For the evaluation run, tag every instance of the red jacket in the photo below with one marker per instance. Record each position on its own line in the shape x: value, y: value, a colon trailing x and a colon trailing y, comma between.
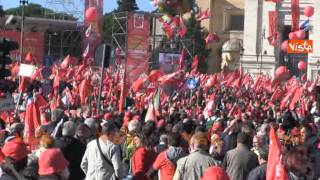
x: 141, y: 161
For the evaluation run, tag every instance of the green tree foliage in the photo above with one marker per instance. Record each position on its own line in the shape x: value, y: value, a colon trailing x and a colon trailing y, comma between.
x: 36, y: 10
x: 127, y: 5
x: 1, y: 12
x: 198, y: 34
x: 107, y: 27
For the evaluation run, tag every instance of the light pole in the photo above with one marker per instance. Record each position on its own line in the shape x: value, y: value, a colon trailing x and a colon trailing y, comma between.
x: 49, y: 47
x: 22, y: 4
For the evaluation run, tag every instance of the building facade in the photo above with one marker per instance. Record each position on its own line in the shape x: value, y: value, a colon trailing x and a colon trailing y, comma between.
x: 254, y: 53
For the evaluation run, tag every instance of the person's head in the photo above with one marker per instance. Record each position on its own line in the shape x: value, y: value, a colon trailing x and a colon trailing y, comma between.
x: 173, y: 139
x: 69, y: 128
x: 186, y: 131
x: 111, y: 131
x: 83, y: 133
x: 140, y: 139
x: 163, y: 139
x: 56, y: 115
x: 296, y: 161
x: 258, y: 141
x: 17, y: 129
x: 134, y: 126
x: 93, y: 125
x: 52, y: 162
x: 199, y: 141
x: 46, y: 141
x: 215, y: 173
x: 263, y: 154
x: 216, y: 144
x: 86, y: 112
x: 16, y: 151
x: 244, y: 139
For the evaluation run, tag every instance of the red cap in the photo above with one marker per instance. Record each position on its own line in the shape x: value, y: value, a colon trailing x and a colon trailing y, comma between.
x: 216, y: 126
x: 136, y: 117
x: 15, y: 149
x: 215, y: 173
x: 107, y: 116
x: 52, y: 161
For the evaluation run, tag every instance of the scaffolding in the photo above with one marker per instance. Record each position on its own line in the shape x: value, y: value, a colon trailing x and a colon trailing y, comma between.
x: 157, y: 39
x: 64, y: 9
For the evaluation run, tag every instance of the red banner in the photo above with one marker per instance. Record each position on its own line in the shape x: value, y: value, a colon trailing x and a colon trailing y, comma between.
x: 33, y: 43
x: 273, y: 32
x: 295, y: 15
x: 137, y: 46
x: 93, y: 29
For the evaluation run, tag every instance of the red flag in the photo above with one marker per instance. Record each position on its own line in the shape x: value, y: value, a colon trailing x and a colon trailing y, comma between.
x: 183, y: 29
x: 56, y: 84
x: 275, y: 168
x: 32, y: 120
x: 154, y: 75
x: 212, y: 81
x: 36, y: 74
x: 277, y: 95
x: 23, y: 84
x: 297, y: 95
x: 137, y: 85
x: 181, y: 59
x: 65, y: 63
x: 29, y: 58
x: 84, y: 90
x: 195, y: 63
x: 203, y: 15
x: 168, y: 29
x: 151, y: 113
x: 212, y: 37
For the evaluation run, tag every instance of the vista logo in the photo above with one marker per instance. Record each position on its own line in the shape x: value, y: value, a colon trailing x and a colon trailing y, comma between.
x: 300, y: 46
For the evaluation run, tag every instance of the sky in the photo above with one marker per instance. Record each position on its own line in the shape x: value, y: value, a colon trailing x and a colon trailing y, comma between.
x: 109, y: 5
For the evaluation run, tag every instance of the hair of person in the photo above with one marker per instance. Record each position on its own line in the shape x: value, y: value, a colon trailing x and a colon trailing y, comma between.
x: 244, y: 138
x: 293, y: 158
x: 263, y: 153
x: 47, y: 141
x: 201, y: 129
x: 174, y: 139
x: 109, y: 128
x: 142, y: 137
x: 164, y: 138
x: 200, y: 141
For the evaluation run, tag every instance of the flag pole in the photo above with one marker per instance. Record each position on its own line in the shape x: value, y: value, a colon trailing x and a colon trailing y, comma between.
x: 101, y: 78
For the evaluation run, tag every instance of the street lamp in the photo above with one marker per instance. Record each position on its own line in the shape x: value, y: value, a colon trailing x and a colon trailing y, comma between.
x: 22, y: 4
x: 50, y: 36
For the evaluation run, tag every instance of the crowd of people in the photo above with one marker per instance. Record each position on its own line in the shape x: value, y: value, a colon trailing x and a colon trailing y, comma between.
x: 219, y: 130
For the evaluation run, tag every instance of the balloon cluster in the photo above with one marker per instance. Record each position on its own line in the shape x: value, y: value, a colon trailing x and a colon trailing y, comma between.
x: 303, y: 27
x: 174, y: 7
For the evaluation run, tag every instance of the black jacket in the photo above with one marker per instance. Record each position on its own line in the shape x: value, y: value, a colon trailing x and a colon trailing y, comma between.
x: 73, y: 150
x: 258, y: 173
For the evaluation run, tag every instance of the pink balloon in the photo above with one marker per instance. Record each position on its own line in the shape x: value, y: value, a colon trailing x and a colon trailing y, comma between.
x: 284, y: 46
x: 302, y: 65
x: 300, y: 34
x: 308, y: 11
x: 91, y: 14
x: 293, y: 35
x: 281, y: 71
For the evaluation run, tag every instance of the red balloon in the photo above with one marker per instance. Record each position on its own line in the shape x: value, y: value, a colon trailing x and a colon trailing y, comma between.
x: 281, y: 71
x: 302, y: 65
x: 293, y: 35
x: 308, y: 11
x: 300, y: 34
x: 91, y: 14
x: 284, y: 46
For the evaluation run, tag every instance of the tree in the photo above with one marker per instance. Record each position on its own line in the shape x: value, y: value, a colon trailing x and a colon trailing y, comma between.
x: 36, y: 10
x: 127, y: 5
x: 107, y: 27
x: 198, y: 34
x: 1, y: 12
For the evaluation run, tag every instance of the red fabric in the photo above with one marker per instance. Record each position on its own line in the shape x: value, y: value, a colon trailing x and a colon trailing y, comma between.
x: 154, y: 75
x: 84, y: 90
x: 295, y: 15
x: 169, y: 31
x: 32, y: 120
x: 142, y: 159
x: 52, y: 161
x: 151, y: 113
x: 297, y: 95
x: 65, y: 63
x: 215, y: 173
x: 25, y: 81
x: 166, y: 168
x: 203, y: 15
x: 277, y: 95
x: 181, y: 59
x: 29, y: 58
x: 183, y: 28
x: 137, y: 85
x: 212, y: 81
x: 16, y: 149
x: 273, y: 34
x: 195, y: 63
x: 275, y: 168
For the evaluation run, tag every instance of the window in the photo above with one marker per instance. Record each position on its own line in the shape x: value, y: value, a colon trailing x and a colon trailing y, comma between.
x: 236, y: 23
x: 233, y: 20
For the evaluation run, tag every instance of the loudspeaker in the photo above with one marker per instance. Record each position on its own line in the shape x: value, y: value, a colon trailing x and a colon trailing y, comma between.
x: 102, y: 55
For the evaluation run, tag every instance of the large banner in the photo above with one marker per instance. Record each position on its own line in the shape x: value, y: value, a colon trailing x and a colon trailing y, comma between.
x: 33, y: 43
x: 93, y: 29
x: 137, y: 46
x: 169, y: 62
